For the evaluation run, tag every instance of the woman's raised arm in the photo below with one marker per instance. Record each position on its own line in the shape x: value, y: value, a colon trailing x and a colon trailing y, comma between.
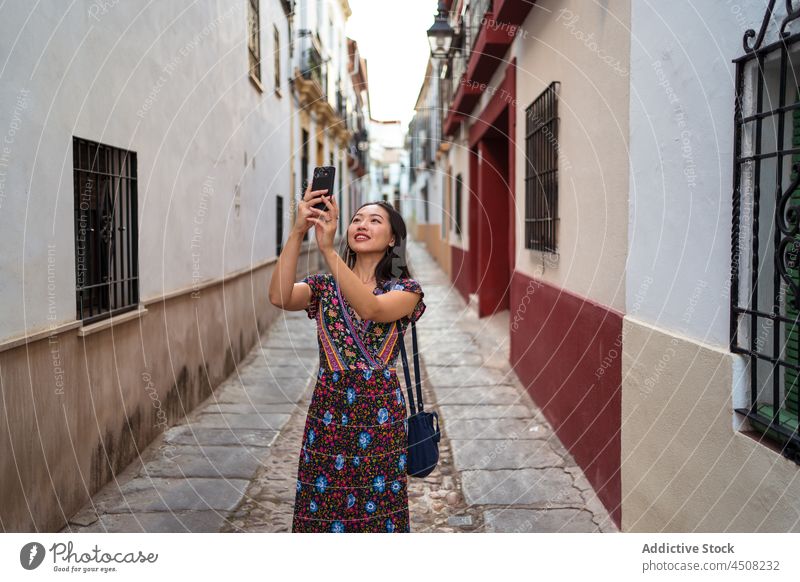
x: 283, y: 291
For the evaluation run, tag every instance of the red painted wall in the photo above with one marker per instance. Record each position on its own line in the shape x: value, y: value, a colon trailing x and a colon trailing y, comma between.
x: 567, y: 351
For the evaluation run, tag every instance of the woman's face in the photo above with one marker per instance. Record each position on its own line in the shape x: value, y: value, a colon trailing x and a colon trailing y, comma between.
x: 370, y: 230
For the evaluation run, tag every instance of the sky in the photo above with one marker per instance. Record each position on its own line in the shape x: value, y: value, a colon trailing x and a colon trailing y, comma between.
x: 392, y: 37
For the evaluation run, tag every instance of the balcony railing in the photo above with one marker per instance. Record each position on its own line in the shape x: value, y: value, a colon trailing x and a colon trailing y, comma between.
x: 474, y: 17
x: 459, y: 65
x: 358, y: 154
x: 447, y: 89
x: 314, y: 66
x: 340, y: 105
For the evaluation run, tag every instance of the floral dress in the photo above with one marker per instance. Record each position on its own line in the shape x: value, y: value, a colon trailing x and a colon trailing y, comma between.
x: 351, y: 474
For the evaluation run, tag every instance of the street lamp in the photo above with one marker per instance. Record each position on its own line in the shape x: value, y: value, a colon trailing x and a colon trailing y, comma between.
x: 440, y: 35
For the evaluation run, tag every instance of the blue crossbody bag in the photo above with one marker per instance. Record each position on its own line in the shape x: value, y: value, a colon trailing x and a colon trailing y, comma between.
x: 423, y: 438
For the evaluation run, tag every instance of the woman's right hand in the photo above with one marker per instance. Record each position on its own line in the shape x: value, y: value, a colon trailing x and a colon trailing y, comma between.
x: 305, y: 208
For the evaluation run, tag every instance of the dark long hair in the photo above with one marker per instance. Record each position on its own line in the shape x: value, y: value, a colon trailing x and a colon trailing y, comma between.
x: 393, y: 265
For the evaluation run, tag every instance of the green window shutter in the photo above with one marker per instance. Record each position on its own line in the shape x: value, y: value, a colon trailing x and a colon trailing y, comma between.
x: 788, y: 414
x: 790, y: 377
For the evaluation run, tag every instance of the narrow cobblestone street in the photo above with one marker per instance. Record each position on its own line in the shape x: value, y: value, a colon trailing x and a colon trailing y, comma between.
x: 609, y: 340
x: 232, y: 465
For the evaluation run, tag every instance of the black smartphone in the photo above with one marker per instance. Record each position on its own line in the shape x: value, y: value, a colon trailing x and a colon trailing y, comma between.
x: 323, y: 179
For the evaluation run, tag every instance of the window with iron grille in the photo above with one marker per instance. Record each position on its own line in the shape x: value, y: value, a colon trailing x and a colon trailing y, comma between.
x: 339, y: 195
x: 457, y: 212
x: 413, y: 158
x: 278, y: 224
x: 424, y: 192
x: 304, y: 170
x: 106, y: 230
x: 254, y: 40
x: 448, y: 207
x: 277, y: 56
x: 765, y: 273
x: 331, y: 162
x: 541, y: 171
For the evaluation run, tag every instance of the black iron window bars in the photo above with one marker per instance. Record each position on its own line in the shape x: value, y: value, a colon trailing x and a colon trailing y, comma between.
x: 765, y: 267
x: 541, y: 171
x: 106, y: 230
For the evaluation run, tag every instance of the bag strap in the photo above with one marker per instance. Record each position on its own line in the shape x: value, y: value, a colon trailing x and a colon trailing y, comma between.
x: 412, y: 407
x: 416, y: 366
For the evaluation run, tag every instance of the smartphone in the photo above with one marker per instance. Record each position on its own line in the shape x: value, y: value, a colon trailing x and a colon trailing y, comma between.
x: 323, y: 179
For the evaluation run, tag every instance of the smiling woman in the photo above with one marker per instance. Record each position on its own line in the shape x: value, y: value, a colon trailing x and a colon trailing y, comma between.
x: 351, y: 474
x: 352, y: 468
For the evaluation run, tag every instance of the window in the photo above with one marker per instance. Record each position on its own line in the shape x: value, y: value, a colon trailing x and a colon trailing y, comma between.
x: 425, y: 202
x: 445, y: 185
x: 330, y: 46
x: 331, y: 163
x: 106, y: 230
x: 304, y: 169
x: 457, y: 212
x: 339, y: 196
x: 765, y: 267
x: 277, y: 57
x: 254, y: 41
x: 412, y: 151
x: 541, y: 171
x: 279, y: 224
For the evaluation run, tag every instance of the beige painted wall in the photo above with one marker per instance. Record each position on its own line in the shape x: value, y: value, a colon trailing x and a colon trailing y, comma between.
x: 429, y: 234
x: 684, y: 467
x: 592, y: 141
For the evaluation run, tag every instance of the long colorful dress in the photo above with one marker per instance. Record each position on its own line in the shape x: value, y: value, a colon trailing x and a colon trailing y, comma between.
x: 351, y: 474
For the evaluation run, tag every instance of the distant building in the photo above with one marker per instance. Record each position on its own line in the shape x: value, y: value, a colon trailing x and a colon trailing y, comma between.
x: 427, y: 204
x: 358, y: 121
x: 388, y: 180
x: 329, y: 84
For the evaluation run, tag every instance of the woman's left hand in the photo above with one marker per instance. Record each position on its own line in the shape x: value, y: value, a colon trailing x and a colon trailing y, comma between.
x: 326, y: 223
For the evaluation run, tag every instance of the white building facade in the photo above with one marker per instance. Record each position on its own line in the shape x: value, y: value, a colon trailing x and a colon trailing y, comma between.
x: 331, y: 95
x: 140, y: 169
x: 629, y: 198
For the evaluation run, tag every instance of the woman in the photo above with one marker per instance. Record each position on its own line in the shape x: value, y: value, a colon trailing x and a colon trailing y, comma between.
x: 351, y: 474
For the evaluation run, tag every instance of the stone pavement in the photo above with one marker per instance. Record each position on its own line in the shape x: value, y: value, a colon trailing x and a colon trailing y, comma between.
x: 268, y: 503
x: 196, y: 473
x: 232, y: 465
x: 512, y: 471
